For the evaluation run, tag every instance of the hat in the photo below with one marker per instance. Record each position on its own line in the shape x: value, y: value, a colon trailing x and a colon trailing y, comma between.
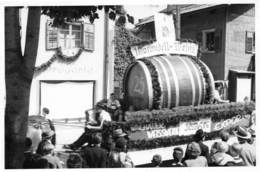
x: 222, y: 147
x: 157, y: 158
x: 121, y: 143
x: 48, y: 134
x: 119, y: 133
x: 194, y: 149
x: 242, y: 133
x: 199, y: 134
x: 178, y: 149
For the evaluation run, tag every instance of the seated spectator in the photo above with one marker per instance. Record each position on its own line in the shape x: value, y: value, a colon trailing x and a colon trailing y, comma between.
x: 156, y: 161
x: 177, y: 158
x: 220, y: 158
x: 93, y: 155
x: 235, y: 151
x: 30, y: 158
x: 114, y: 107
x: 119, y: 156
x: 199, y: 137
x: 195, y: 160
x: 248, y: 152
x: 101, y: 117
x: 46, y: 137
x: 217, y: 97
x: 74, y: 161
x: 224, y: 135
x: 48, y: 154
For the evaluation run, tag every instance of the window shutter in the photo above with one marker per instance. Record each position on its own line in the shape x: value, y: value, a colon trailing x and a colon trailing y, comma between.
x: 51, y: 37
x: 88, y: 36
x: 218, y: 40
x: 249, y: 42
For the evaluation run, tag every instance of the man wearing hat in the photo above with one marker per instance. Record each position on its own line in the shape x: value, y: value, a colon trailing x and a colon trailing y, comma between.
x: 248, y: 152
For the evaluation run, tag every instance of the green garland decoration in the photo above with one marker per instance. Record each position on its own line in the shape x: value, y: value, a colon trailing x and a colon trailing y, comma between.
x: 172, y: 117
x: 58, y: 56
x: 155, y: 83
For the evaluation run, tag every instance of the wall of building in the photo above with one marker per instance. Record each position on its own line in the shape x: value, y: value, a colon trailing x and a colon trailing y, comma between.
x: 240, y: 18
x: 89, y: 66
x: 193, y: 23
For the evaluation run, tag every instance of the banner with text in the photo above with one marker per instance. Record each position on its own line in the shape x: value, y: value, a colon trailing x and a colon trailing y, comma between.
x: 186, y: 128
x: 166, y: 47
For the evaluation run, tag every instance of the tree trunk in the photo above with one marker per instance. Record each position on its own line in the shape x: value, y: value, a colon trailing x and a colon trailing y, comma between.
x: 18, y: 77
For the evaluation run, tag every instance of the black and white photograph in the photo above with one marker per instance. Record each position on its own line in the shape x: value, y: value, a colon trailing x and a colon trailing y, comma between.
x: 128, y: 85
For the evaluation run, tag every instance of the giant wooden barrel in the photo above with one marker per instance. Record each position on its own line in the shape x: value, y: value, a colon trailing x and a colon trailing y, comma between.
x: 167, y: 81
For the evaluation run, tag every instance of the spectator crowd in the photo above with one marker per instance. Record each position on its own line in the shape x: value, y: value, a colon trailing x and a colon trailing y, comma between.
x: 94, y: 150
x: 112, y: 152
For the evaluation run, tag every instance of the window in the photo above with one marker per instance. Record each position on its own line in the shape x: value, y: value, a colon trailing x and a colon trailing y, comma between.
x: 71, y: 35
x: 208, y: 41
x: 250, y: 42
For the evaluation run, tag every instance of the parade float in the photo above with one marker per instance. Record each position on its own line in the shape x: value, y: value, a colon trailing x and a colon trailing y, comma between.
x: 172, y: 92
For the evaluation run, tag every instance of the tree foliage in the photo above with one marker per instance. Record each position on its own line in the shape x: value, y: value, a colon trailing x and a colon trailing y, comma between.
x: 62, y: 14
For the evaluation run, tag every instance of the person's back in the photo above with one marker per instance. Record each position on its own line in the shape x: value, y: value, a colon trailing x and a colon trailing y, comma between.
x: 235, y: 151
x: 200, y: 161
x: 248, y: 154
x: 194, y: 159
x: 47, y: 152
x: 119, y: 158
x: 53, y: 161
x: 95, y: 157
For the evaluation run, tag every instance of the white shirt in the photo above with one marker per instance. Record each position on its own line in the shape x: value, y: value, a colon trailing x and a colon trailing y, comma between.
x: 105, y: 116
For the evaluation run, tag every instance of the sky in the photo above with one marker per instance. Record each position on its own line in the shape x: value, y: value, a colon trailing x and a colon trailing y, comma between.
x: 142, y: 11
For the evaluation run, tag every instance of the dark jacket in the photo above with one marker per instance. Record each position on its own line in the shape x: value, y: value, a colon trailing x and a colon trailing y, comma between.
x: 94, y: 157
x: 204, y: 150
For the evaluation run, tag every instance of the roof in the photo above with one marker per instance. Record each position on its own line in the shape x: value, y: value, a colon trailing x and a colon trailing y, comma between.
x: 145, y: 20
x: 242, y: 71
x: 183, y: 9
x: 188, y: 8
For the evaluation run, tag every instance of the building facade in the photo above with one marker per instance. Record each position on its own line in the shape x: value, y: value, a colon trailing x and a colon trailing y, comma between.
x: 70, y: 85
x: 226, y: 34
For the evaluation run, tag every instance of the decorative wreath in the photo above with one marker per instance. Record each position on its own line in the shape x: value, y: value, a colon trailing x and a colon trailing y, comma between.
x: 58, y: 56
